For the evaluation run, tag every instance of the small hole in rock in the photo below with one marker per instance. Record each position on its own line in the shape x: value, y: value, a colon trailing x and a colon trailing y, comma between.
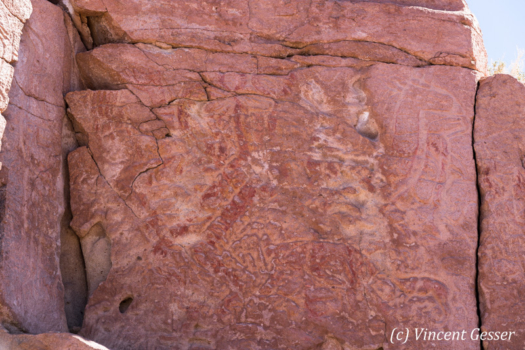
x: 139, y: 258
x: 124, y: 305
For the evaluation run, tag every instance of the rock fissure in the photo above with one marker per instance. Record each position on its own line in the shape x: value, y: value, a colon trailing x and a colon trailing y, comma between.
x: 480, y: 203
x: 142, y: 173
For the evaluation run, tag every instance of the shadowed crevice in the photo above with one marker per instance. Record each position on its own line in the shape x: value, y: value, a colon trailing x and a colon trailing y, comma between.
x: 477, y: 281
x: 72, y: 266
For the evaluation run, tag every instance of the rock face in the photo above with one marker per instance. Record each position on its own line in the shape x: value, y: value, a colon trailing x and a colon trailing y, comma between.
x: 48, y: 341
x: 13, y: 15
x: 282, y: 28
x: 255, y: 175
x: 499, y: 145
x: 240, y: 201
x: 33, y: 201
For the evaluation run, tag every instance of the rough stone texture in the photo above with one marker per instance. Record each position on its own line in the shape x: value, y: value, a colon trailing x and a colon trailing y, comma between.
x: 13, y: 15
x: 282, y: 28
x: 47, y: 341
x: 32, y: 175
x: 253, y: 174
x: 447, y: 5
x: 318, y: 208
x: 499, y: 145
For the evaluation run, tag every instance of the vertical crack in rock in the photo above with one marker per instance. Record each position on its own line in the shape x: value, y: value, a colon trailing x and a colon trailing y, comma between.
x: 73, y: 270
x: 72, y: 265
x: 479, y: 218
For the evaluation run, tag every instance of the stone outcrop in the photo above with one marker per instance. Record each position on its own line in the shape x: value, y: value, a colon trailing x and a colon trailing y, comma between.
x: 431, y: 35
x: 33, y: 177
x: 47, y: 341
x: 255, y: 175
x: 249, y: 180
x: 13, y: 15
x: 283, y: 211
x: 500, y: 145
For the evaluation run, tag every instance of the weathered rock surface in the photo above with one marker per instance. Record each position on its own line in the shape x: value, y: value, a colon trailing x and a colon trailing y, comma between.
x: 325, y: 205
x: 33, y: 180
x: 499, y: 145
x: 436, y: 32
x: 253, y: 175
x: 13, y: 15
x: 47, y: 341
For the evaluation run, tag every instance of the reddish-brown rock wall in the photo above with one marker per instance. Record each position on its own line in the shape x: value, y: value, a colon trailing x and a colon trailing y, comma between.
x: 249, y: 210
x: 255, y: 175
x: 500, y: 145
x: 47, y: 341
x: 13, y: 15
x: 33, y: 201
x: 283, y: 28
x: 12, y: 18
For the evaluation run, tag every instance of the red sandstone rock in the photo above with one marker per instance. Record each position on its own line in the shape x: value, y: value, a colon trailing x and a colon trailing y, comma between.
x: 13, y: 15
x: 407, y: 35
x: 324, y: 207
x: 12, y: 18
x: 447, y: 5
x: 33, y: 180
x: 499, y: 146
x: 21, y: 9
x: 6, y: 77
x: 47, y: 341
x: 251, y: 177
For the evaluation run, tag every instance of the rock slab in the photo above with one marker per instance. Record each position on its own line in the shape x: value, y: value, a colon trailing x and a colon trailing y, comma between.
x: 436, y: 32
x: 33, y: 180
x: 324, y: 205
x: 499, y: 145
x: 13, y: 15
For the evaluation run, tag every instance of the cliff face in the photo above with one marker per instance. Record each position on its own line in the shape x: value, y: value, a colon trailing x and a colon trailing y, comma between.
x: 253, y: 175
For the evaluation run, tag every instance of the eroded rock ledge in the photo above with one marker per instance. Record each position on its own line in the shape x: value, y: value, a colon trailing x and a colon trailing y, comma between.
x: 428, y: 33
